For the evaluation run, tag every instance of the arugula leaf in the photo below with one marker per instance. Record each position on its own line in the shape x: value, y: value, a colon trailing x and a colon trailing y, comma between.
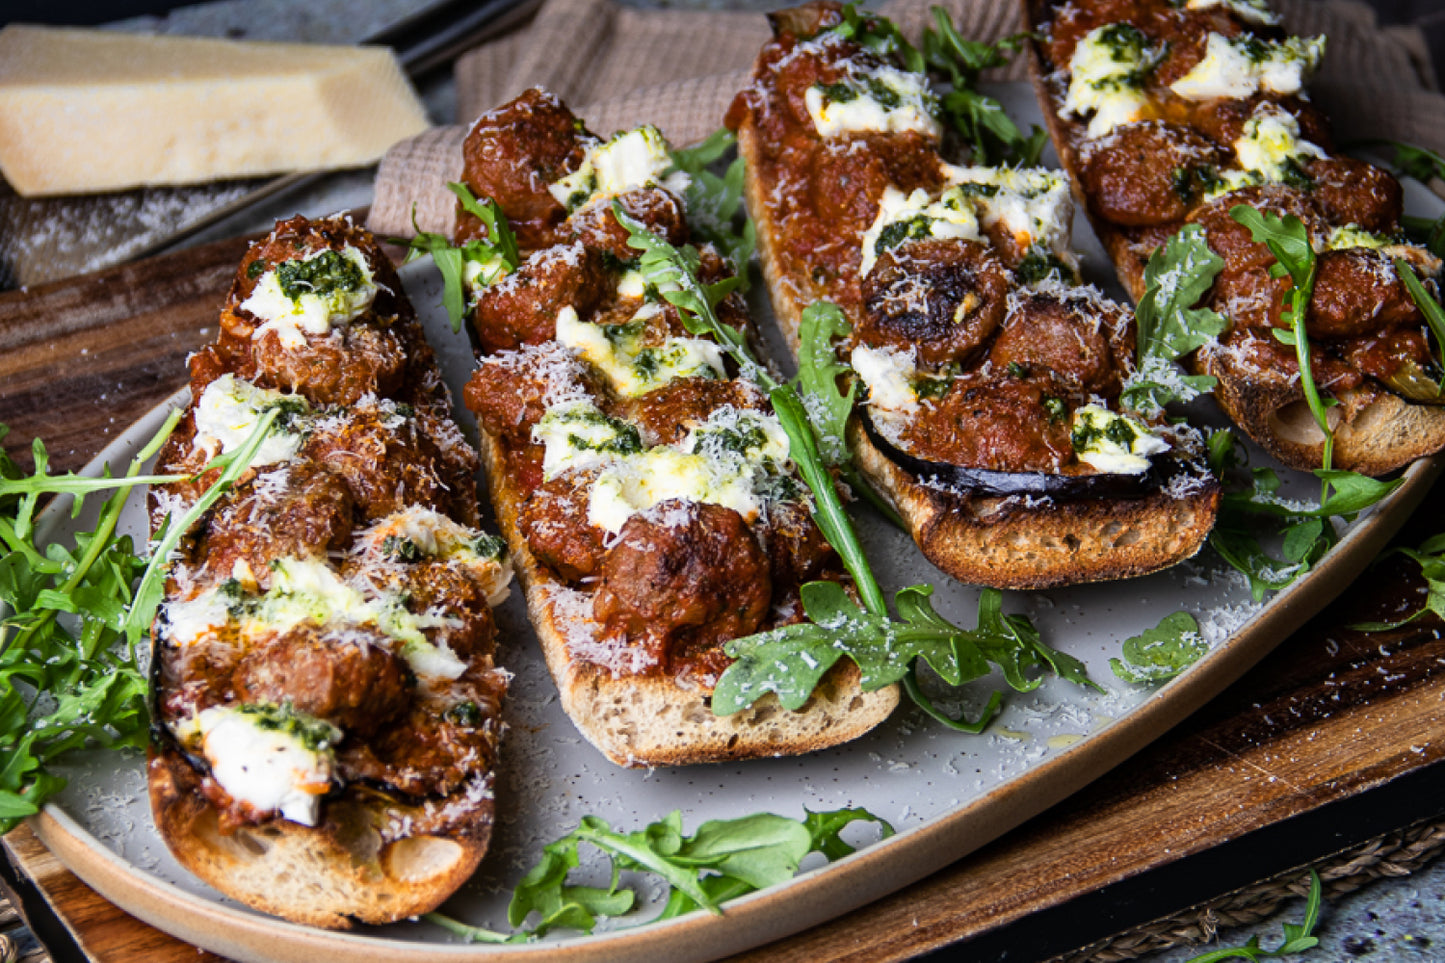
x: 1289, y: 241
x: 1161, y: 653
x: 1298, y: 937
x: 67, y: 683
x: 819, y: 369
x: 1430, y: 556
x: 1177, y: 277
x: 724, y: 859
x: 715, y: 204
x: 980, y: 119
x: 495, y: 255
x: 880, y: 35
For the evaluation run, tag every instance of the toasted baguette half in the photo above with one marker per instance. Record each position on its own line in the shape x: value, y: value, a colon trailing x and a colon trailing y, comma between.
x: 333, y: 875
x: 1375, y: 431
x: 1001, y: 542
x: 654, y: 721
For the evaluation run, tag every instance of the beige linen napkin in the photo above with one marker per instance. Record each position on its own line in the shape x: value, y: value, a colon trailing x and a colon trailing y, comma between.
x: 618, y: 67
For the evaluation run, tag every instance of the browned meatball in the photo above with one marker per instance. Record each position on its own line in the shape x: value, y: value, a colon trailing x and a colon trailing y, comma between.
x: 1147, y: 173
x: 1358, y: 293
x: 442, y: 589
x: 1007, y: 424
x: 681, y: 579
x: 335, y: 369
x: 658, y: 209
x: 349, y: 677
x: 511, y: 391
x: 1350, y: 191
x: 299, y: 510
x: 522, y: 308
x: 1244, y: 292
x: 845, y: 185
x: 1082, y: 340
x: 512, y: 154
x: 195, y: 677
x: 439, y: 744
x: 384, y: 460
x: 554, y: 522
x: 666, y: 415
x: 944, y: 297
x: 797, y: 550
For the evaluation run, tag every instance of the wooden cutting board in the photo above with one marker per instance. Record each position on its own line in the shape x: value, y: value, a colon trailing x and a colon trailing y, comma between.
x: 1334, y: 716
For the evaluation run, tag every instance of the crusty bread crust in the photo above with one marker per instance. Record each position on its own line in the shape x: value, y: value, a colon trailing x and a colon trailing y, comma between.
x: 332, y: 875
x: 1375, y: 431
x: 1007, y: 543
x: 654, y: 721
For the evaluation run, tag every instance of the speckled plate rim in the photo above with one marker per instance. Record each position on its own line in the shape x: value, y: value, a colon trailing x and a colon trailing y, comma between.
x: 811, y: 898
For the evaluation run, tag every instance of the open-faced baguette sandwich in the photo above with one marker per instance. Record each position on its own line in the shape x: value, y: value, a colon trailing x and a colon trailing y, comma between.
x: 326, y: 706
x: 991, y: 379
x: 643, y: 484
x: 1169, y: 114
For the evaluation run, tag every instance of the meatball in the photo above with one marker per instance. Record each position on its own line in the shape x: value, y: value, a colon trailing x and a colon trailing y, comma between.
x: 797, y: 550
x: 666, y: 415
x: 554, y: 522
x: 334, y: 369
x: 385, y: 462
x: 1145, y: 174
x: 349, y: 677
x: 299, y: 510
x: 1350, y: 191
x: 1222, y: 120
x: 510, y: 392
x: 659, y: 210
x: 1358, y: 293
x: 512, y: 154
x: 944, y: 297
x: 1083, y: 340
x: 440, y: 588
x: 1007, y: 424
x: 1245, y: 292
x: 522, y: 308
x: 681, y: 579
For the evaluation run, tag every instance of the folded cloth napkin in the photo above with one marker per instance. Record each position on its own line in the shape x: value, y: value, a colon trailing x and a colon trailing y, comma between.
x: 618, y: 67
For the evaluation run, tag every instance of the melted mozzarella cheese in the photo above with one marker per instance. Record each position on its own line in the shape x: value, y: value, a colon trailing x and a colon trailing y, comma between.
x: 883, y: 100
x: 1032, y: 204
x: 309, y: 312
x: 1112, y: 442
x: 1107, y: 78
x: 630, y: 160
x: 917, y: 217
x: 1251, y: 11
x: 723, y: 461
x: 578, y: 435
x: 888, y: 373
x: 228, y: 412
x: 269, y: 765
x: 631, y: 367
x: 1237, y: 68
x: 1269, y: 151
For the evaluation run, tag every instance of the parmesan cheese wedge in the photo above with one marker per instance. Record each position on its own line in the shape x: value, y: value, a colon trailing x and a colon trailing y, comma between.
x: 83, y: 111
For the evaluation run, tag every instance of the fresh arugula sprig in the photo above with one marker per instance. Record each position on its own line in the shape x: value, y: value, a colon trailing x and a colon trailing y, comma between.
x: 723, y: 860
x: 1161, y: 653
x: 1298, y: 937
x: 868, y: 636
x: 1289, y: 241
x: 65, y: 680
x: 1307, y: 529
x: 1430, y: 556
x: 1169, y: 326
x: 715, y: 204
x: 980, y: 119
x: 879, y: 35
x: 497, y: 251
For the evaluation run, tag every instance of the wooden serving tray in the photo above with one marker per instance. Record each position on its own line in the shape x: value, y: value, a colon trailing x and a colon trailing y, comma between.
x: 1330, y: 716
